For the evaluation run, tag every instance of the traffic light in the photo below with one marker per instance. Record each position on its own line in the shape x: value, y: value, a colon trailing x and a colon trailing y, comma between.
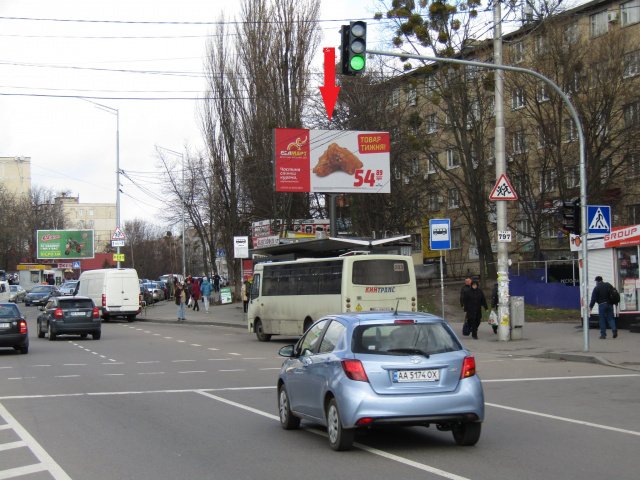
x: 571, y: 217
x: 353, y: 48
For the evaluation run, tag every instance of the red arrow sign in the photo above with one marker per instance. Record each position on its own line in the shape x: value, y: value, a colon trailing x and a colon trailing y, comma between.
x: 329, y: 91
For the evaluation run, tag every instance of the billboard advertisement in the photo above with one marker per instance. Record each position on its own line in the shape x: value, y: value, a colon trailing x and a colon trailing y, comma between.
x: 332, y: 161
x: 60, y: 244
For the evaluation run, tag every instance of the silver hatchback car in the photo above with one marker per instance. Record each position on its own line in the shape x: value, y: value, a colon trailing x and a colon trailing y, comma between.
x: 360, y: 370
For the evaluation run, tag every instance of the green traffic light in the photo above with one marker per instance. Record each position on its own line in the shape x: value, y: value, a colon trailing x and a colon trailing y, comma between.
x: 356, y: 63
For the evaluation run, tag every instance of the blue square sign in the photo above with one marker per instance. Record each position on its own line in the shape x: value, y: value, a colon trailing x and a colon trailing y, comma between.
x: 440, y: 234
x: 598, y: 219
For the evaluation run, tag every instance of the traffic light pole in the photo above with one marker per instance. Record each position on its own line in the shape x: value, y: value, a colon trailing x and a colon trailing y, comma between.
x: 584, y: 294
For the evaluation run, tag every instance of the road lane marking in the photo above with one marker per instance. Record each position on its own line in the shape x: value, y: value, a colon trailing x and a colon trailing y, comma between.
x: 74, y: 364
x: 179, y: 361
x: 253, y: 358
x: 12, y: 445
x: 270, y: 368
x: 196, y: 345
x: 233, y: 370
x: 66, y: 376
x: 194, y: 371
x: 210, y: 348
x: 150, y: 361
x: 232, y: 353
x: 151, y: 373
x: 564, y: 419
x: 46, y: 462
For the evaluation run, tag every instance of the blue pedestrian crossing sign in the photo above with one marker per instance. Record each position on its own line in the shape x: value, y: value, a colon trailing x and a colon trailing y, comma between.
x: 440, y: 234
x: 598, y: 219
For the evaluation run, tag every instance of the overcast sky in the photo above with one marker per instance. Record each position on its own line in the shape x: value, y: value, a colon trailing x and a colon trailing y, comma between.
x: 71, y: 142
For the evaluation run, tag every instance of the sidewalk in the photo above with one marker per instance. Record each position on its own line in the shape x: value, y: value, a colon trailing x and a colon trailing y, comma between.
x: 560, y: 341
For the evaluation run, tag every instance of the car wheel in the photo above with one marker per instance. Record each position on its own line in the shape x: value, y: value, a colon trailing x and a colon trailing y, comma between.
x: 263, y: 337
x: 131, y: 318
x: 287, y: 419
x: 340, y: 438
x: 52, y: 335
x: 41, y: 332
x: 24, y: 349
x: 83, y: 335
x: 27, y: 304
x: 96, y: 335
x: 466, y: 434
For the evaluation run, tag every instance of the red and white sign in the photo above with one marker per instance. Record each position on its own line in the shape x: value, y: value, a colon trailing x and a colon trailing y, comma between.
x: 332, y: 161
x: 503, y: 190
x: 619, y: 237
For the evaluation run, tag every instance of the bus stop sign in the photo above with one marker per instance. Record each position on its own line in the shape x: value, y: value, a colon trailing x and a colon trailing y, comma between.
x: 440, y: 234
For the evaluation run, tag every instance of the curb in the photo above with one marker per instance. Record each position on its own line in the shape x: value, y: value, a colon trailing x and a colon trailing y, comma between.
x: 576, y: 357
x: 187, y: 322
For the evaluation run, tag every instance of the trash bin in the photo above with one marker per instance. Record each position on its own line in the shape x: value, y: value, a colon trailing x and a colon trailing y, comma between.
x: 516, y: 313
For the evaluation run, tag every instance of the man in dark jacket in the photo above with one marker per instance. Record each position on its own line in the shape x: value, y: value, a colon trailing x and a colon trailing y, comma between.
x: 473, y: 301
x: 600, y: 295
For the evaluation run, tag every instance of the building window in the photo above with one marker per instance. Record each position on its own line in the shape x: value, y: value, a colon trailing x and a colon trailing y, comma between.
x: 632, y: 64
x: 412, y: 96
x: 491, y: 106
x: 415, y: 166
x: 456, y: 238
x: 633, y: 164
x: 548, y: 229
x: 542, y: 137
x: 633, y: 214
x: 630, y: 13
x: 491, y: 151
x: 432, y: 123
x: 433, y: 202
x: 395, y: 97
x: 572, y: 177
x: 472, y: 72
x: 517, y: 52
x: 599, y: 23
x: 524, y: 232
x: 80, y: 212
x: 519, y: 142
x: 517, y: 98
x: 548, y: 181
x: 432, y: 163
x: 571, y: 34
x: 90, y: 212
x: 430, y: 84
x: 541, y: 45
x: 473, y: 115
x: 605, y: 171
x: 631, y: 113
x: 570, y: 130
x: 542, y: 95
x: 454, y: 198
x: 453, y: 158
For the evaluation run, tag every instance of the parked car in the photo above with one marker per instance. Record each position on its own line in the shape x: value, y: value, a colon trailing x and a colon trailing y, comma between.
x: 145, y: 295
x: 40, y: 295
x: 165, y: 288
x: 68, y: 287
x: 13, y: 328
x: 16, y: 293
x: 360, y: 370
x: 156, y: 292
x: 66, y: 315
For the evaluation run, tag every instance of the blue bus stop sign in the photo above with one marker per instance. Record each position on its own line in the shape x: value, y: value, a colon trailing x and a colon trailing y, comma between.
x: 440, y: 234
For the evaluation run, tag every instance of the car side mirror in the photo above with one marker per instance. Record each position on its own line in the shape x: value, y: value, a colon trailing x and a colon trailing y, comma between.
x: 286, y: 351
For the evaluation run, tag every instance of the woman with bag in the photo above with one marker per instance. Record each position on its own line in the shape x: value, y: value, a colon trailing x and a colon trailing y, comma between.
x: 473, y: 301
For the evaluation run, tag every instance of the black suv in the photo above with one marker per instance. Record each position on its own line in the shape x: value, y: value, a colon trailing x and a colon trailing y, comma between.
x: 69, y: 316
x: 13, y: 328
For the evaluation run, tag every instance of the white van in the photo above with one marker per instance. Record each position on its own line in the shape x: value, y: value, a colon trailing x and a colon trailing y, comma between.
x: 116, y: 291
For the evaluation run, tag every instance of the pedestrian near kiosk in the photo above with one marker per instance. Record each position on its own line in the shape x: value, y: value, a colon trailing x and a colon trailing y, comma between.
x: 206, y: 289
x: 600, y: 295
x: 473, y: 302
x: 245, y: 295
x: 195, y: 294
x: 181, y: 301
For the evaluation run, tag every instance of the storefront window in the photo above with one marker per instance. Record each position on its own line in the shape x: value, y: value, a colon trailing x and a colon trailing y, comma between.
x: 628, y: 281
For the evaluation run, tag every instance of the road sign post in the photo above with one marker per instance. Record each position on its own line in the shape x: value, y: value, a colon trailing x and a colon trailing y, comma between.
x: 440, y: 239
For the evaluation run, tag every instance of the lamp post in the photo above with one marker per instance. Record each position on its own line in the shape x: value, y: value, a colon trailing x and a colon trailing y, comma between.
x: 184, y: 263
x: 116, y: 112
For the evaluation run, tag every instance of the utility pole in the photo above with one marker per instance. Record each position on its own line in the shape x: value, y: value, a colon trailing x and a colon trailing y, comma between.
x: 504, y: 321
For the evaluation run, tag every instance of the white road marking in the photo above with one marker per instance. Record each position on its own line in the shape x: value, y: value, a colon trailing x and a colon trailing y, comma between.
x: 270, y: 368
x: 233, y: 370
x: 210, y: 348
x: 12, y: 445
x: 194, y: 371
x: 181, y: 341
x: 44, y: 365
x: 46, y: 462
x: 564, y: 419
x: 232, y: 353
x: 3, y: 368
x: 151, y: 373
x: 21, y: 378
x: 114, y: 374
x: 179, y: 361
x: 112, y: 362
x: 149, y: 361
x: 196, y: 345
x: 66, y: 376
x: 74, y: 364
x: 216, y: 359
x: 253, y: 358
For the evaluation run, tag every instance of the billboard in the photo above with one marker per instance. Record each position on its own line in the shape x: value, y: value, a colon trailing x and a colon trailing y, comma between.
x: 332, y: 161
x: 59, y: 244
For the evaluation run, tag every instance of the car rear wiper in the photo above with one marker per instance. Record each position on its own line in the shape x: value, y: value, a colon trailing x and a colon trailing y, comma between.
x: 409, y: 351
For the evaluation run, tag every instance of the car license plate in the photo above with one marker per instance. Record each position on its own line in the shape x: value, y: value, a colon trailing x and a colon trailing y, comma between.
x: 5, y: 325
x: 432, y: 375
x: 78, y: 314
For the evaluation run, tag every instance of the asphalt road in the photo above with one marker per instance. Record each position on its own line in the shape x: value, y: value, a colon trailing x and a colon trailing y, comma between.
x: 168, y: 401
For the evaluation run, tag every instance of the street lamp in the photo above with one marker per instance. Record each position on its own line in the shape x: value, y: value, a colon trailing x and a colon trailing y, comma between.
x: 114, y: 111
x: 184, y: 264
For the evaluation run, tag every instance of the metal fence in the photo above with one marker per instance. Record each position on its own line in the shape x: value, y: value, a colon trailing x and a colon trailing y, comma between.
x: 549, y: 271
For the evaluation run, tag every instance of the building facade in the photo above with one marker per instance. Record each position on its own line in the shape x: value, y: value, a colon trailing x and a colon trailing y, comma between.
x: 100, y: 217
x: 15, y: 174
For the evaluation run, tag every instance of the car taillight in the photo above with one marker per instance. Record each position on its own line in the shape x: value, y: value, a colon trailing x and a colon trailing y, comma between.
x: 96, y: 312
x: 354, y: 370
x: 22, y: 324
x: 404, y: 322
x: 468, y: 367
x: 104, y: 300
x: 57, y: 313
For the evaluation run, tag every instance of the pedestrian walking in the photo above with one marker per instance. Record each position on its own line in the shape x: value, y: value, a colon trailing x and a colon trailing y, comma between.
x: 188, y: 288
x: 195, y: 294
x: 473, y: 302
x: 600, y: 295
x: 205, y: 289
x: 181, y: 301
x: 216, y: 287
x: 245, y: 295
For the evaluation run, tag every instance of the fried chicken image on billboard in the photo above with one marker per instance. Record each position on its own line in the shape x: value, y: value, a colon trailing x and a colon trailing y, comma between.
x: 337, y: 158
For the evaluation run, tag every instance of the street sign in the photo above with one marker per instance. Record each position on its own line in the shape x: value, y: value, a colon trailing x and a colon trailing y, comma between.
x: 118, y: 257
x: 598, y: 219
x: 75, y: 265
x: 440, y: 234
x: 118, y: 234
x: 241, y: 247
x: 117, y: 243
x: 504, y: 236
x: 503, y: 190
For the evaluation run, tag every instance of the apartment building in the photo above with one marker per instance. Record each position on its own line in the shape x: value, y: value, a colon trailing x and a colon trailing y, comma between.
x: 100, y: 217
x: 592, y: 53
x: 15, y: 174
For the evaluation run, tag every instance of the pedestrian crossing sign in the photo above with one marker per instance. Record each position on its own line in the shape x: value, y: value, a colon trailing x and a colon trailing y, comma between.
x: 503, y: 190
x: 598, y: 219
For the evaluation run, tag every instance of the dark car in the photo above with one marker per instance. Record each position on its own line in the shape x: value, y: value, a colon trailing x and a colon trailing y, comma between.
x: 13, y: 328
x: 40, y: 295
x: 145, y: 295
x: 69, y: 316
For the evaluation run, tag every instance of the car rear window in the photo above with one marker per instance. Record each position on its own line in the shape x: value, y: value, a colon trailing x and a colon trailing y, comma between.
x: 404, y: 339
x: 76, y: 303
x: 9, y: 311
